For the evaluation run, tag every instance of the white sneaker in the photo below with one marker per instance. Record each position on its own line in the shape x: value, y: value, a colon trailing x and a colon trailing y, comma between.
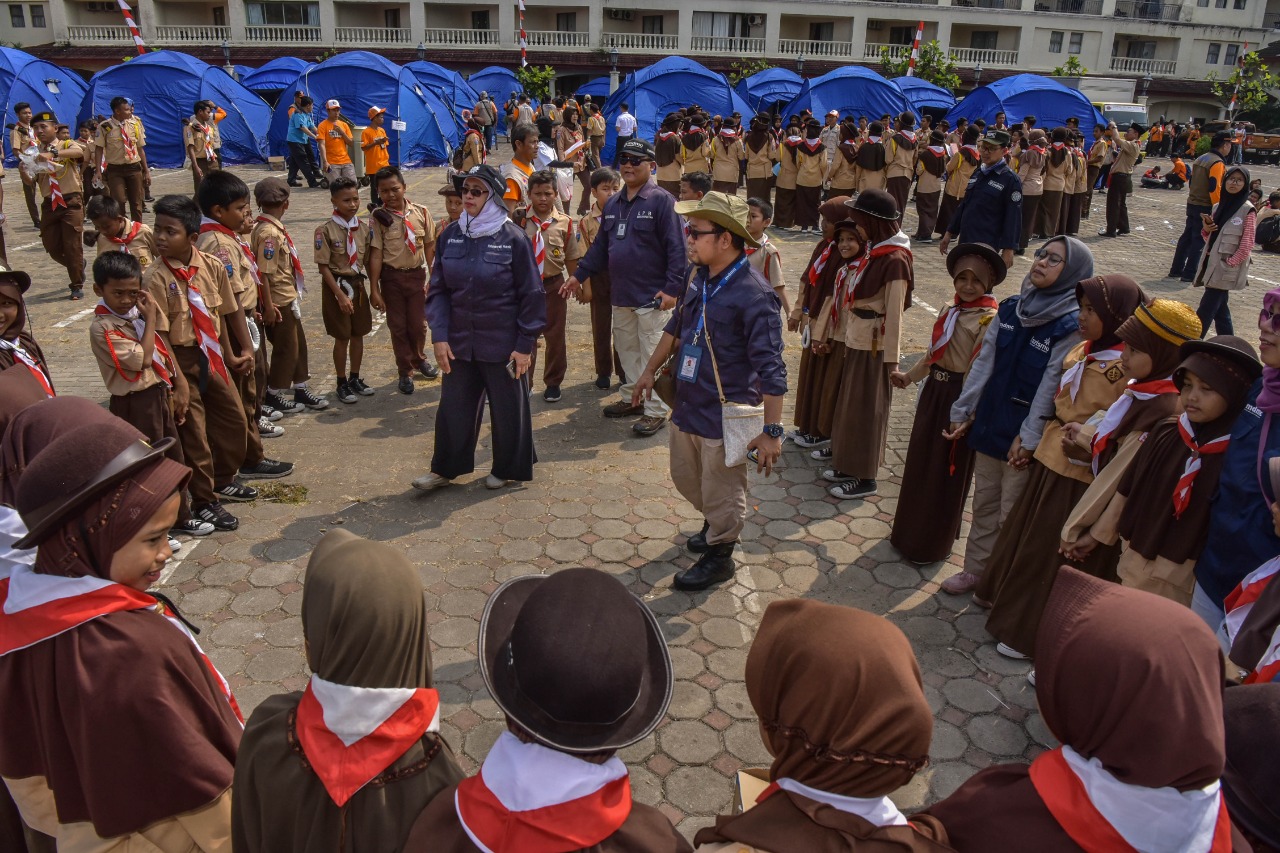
x: 1010, y: 652
x: 492, y: 482
x: 1031, y: 677
x: 174, y: 544
x: 429, y: 481
x: 267, y: 429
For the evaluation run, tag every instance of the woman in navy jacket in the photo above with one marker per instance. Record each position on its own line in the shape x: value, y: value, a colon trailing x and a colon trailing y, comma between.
x: 485, y: 309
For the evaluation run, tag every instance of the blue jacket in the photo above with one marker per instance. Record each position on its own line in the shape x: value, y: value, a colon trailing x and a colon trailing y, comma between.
x: 485, y: 297
x: 650, y: 256
x: 991, y: 210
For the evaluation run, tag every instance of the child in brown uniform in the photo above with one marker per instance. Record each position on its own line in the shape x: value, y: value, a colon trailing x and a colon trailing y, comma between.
x: 117, y: 233
x: 1056, y: 168
x: 605, y: 183
x: 18, y: 348
x: 873, y: 157
x: 668, y: 148
x: 900, y: 167
x: 452, y: 209
x: 340, y: 247
x: 935, y: 481
x: 556, y: 252
x: 842, y: 173
x: 960, y: 167
x: 695, y: 148
x: 62, y: 210
x: 784, y: 201
x: 727, y: 154
x: 399, y: 255
x: 762, y: 153
x: 811, y: 168
x: 1031, y: 165
x: 931, y: 167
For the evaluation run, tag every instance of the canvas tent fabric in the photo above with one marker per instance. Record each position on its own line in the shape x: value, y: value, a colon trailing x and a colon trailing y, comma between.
x: 499, y: 82
x: 164, y: 86
x: 852, y: 90
x: 921, y: 94
x: 359, y: 80
x: 668, y: 85
x: 598, y: 89
x: 449, y: 87
x: 1027, y: 94
x: 42, y: 84
x: 276, y: 75
x: 771, y: 86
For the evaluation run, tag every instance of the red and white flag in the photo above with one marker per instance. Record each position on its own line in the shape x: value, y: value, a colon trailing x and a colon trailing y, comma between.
x: 133, y: 27
x: 915, y: 50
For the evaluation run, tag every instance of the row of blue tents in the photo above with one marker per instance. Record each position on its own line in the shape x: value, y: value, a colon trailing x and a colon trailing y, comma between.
x: 430, y: 100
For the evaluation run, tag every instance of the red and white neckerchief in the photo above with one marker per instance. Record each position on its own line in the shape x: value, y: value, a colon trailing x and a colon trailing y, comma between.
x: 30, y: 362
x: 1101, y: 813
x: 38, y: 607
x: 135, y: 228
x: 937, y: 150
x: 1072, y: 376
x: 813, y: 146
x: 207, y: 225
x: 1039, y: 149
x: 816, y: 268
x: 664, y: 135
x: 972, y: 149
x: 1058, y: 146
x: 410, y: 236
x: 484, y: 155
x: 539, y: 244
x: 298, y: 275
x: 945, y: 326
x: 55, y: 189
x: 201, y: 320
x: 873, y: 139
x: 909, y: 136
x: 159, y: 355
x: 130, y: 147
x: 352, y: 230
x: 793, y: 141
x: 351, y: 734
x: 1147, y: 390
x: 528, y: 798
x: 847, y: 279
x: 1182, y: 491
x: 1238, y: 606
x: 878, y: 811
x: 207, y: 133
x: 1268, y: 667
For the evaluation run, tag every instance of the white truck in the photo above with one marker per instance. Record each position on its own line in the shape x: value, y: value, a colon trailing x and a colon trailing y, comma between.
x: 1113, y: 96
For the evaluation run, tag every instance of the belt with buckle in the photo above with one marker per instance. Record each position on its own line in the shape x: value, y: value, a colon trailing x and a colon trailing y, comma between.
x: 866, y: 314
x: 937, y: 374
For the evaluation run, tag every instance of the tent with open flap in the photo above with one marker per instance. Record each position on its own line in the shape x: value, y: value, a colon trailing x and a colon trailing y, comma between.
x: 24, y: 78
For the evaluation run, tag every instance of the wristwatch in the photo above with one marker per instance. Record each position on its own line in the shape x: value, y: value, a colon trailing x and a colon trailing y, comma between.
x: 773, y: 430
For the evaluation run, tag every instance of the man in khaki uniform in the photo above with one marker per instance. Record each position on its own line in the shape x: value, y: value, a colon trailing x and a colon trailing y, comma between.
x: 1121, y: 179
x: 123, y: 141
x: 556, y: 252
x: 198, y: 138
x: 22, y: 137
x: 62, y: 208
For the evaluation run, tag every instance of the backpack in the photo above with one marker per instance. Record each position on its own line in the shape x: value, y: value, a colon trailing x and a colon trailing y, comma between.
x: 1268, y: 230
x: 456, y: 159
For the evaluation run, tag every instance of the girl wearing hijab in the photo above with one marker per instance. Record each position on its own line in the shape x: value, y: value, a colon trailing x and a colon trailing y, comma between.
x: 1251, y: 780
x: 1009, y: 391
x: 843, y: 714
x: 569, y: 134
x: 119, y: 732
x: 485, y: 308
x: 1251, y: 630
x: 811, y: 168
x: 1224, y: 266
x: 359, y: 751
x: 762, y: 153
x: 784, y: 205
x: 1056, y: 168
x: 18, y: 348
x: 842, y: 174
x: 1031, y: 165
x: 1025, y: 559
x: 473, y: 152
x: 1131, y: 686
x: 695, y: 153
x: 667, y: 147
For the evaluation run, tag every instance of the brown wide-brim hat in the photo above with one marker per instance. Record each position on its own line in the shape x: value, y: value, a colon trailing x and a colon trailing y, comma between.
x: 575, y: 660
x: 982, y: 250
x: 728, y: 211
x: 17, y: 278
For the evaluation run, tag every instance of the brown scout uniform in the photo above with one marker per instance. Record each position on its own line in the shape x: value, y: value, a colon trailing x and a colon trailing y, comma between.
x: 270, y: 243
x: 331, y: 252
x: 726, y: 163
x: 21, y: 138
x: 202, y: 141
x: 124, y: 173
x: 62, y: 230
x: 403, y: 283
x: 142, y: 247
x: 561, y: 247
x: 606, y: 362
x: 214, y: 434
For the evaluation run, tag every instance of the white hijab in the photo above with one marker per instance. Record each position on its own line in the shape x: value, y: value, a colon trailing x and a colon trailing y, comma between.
x: 486, y: 224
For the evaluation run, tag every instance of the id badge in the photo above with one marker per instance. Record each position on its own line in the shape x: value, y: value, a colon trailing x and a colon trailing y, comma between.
x: 805, y: 337
x: 621, y: 231
x: 690, y: 358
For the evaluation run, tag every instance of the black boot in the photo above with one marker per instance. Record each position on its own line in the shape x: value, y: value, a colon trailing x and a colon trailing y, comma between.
x: 713, y: 567
x: 697, y: 543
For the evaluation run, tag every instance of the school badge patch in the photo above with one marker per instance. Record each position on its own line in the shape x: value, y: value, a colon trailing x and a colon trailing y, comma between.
x: 269, y: 248
x: 1015, y: 196
x: 1114, y: 373
x: 319, y: 240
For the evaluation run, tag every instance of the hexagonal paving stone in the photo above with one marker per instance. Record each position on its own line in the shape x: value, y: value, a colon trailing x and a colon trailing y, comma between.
x: 689, y: 741
x: 698, y: 790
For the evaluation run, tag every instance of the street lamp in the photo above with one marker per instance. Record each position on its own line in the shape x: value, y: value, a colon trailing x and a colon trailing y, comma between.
x: 1146, y: 84
x: 226, y: 60
x: 800, y: 64
x: 977, y: 75
x: 613, y: 69
x: 422, y: 51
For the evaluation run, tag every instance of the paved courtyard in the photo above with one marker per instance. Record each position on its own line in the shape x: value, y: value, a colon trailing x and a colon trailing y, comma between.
x: 601, y: 497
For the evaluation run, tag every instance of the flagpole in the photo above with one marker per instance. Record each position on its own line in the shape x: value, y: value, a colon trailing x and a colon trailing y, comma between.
x: 524, y: 39
x: 133, y: 27
x: 915, y: 50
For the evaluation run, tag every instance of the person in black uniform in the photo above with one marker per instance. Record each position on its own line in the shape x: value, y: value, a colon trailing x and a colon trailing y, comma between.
x: 991, y: 211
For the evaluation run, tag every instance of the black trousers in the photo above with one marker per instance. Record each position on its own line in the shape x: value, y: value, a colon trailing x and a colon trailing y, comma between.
x: 301, y: 158
x: 1186, y: 257
x: 1118, y: 203
x: 461, y: 412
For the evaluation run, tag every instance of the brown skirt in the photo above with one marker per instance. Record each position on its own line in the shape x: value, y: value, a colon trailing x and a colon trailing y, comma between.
x: 806, y: 210
x: 935, y: 481
x: 758, y: 188
x: 945, y: 211
x: 784, y: 208
x: 672, y: 187
x: 726, y: 187
x: 1025, y: 561
x: 862, y: 415
x: 816, y: 391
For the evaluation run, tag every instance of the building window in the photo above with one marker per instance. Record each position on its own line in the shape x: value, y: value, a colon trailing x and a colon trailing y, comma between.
x: 219, y: 16
x: 902, y: 35
x: 16, y: 18
x: 480, y: 20
x: 1055, y: 41
x: 1203, y: 4
x: 721, y: 25
x: 391, y: 18
x: 1212, y: 57
x: 984, y: 39
x: 1141, y: 50
x: 566, y: 22
x: 1233, y: 54
x: 651, y: 24
x: 37, y: 16
x: 1076, y: 44
x: 1239, y: 4
x: 822, y: 31
x: 282, y: 14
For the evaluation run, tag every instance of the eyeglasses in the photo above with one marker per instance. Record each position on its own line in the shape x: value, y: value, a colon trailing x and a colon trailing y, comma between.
x: 474, y: 191
x: 1269, y: 321
x: 1051, y: 260
x: 631, y: 160
x: 695, y: 235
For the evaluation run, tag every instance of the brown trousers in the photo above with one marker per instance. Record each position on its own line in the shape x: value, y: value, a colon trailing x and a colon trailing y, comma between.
x: 606, y: 357
x: 405, y: 294
x: 288, y: 351
x: 125, y: 184
x: 726, y: 187
x: 784, y: 207
x: 1050, y: 213
x: 715, y: 490
x: 673, y: 187
x: 758, y: 188
x: 150, y: 412
x: 214, y: 433
x: 927, y: 213
x: 1094, y: 171
x: 33, y: 204
x: 62, y: 233
x: 1030, y: 215
x: 1074, y: 203
x: 557, y: 359
x: 205, y: 166
x: 946, y: 210
x: 251, y: 388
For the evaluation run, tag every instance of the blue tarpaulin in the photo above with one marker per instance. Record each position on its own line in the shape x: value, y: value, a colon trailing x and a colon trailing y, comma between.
x: 449, y: 87
x: 164, y: 86
x: 851, y: 90
x: 1027, y: 94
x: 499, y: 82
x: 922, y: 94
x: 276, y: 75
x: 360, y: 80
x: 42, y: 84
x: 598, y: 89
x: 666, y: 86
x: 768, y: 87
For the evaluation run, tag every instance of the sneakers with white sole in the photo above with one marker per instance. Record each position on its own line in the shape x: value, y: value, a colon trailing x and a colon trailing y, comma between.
x: 192, y: 527
x: 303, y: 397
x: 822, y: 454
x: 274, y: 401
x: 853, y: 489
x: 1010, y: 652
x: 430, y: 481
x: 266, y: 429
x: 492, y: 482
x: 831, y: 475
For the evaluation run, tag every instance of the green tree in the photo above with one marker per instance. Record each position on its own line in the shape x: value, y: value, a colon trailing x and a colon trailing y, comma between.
x: 1070, y: 68
x: 934, y: 66
x: 740, y: 69
x: 1249, y: 81
x: 536, y: 80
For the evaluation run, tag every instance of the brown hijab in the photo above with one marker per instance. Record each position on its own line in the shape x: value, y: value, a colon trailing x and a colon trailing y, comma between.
x: 1114, y: 298
x: 33, y: 424
x: 1251, y: 781
x: 364, y: 620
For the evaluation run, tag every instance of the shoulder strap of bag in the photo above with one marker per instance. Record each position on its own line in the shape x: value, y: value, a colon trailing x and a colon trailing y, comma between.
x: 715, y: 368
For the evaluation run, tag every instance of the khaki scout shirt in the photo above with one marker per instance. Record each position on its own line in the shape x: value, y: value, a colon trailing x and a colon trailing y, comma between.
x: 115, y: 344
x: 900, y: 161
x: 21, y: 138
x: 331, y: 248
x: 200, y: 140
x: 561, y: 244
x: 760, y: 163
x: 767, y: 261
x: 589, y: 227
x: 1126, y: 156
x: 142, y: 246
x: 171, y: 295
x: 111, y: 139
x: 726, y: 159
x: 226, y: 249
x: 389, y: 240
x: 67, y: 171
x: 270, y: 244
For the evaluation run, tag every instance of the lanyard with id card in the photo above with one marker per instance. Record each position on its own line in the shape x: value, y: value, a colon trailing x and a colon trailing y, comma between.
x: 691, y: 353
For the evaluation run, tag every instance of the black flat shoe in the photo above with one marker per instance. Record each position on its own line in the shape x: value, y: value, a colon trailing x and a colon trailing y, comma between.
x: 713, y: 567
x: 697, y: 543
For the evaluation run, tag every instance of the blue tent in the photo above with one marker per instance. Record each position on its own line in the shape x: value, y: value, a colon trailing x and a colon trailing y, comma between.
x: 768, y: 87
x: 275, y: 75
x: 851, y: 90
x: 922, y: 94
x: 666, y: 86
x: 1027, y: 94
x: 499, y: 82
x: 597, y: 88
x: 164, y: 85
x: 448, y: 86
x: 361, y: 80
x: 42, y: 84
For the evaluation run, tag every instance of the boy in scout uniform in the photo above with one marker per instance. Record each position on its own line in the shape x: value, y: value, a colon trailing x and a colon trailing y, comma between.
x: 341, y: 244
x: 116, y: 233
x: 452, y: 209
x: 400, y: 253
x: 555, y: 251
x: 605, y: 183
x: 62, y: 208
x: 198, y: 137
x: 122, y: 140
x: 22, y: 137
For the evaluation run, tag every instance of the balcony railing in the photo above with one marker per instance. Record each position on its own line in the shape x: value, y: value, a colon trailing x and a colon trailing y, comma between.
x: 282, y: 34
x: 982, y: 56
x: 1154, y: 67
x: 1013, y: 5
x: 1271, y: 21
x: 833, y: 49
x: 99, y: 34
x: 727, y: 44
x: 556, y: 38
x: 1070, y: 7
x: 638, y: 41
x: 460, y: 38
x: 1148, y: 10
x: 896, y: 51
x: 190, y: 34
x: 372, y: 35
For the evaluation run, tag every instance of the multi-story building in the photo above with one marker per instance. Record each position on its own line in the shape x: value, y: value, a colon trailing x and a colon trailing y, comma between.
x: 1168, y: 48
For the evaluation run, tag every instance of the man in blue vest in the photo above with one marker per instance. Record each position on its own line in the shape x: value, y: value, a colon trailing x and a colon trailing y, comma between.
x: 991, y: 211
